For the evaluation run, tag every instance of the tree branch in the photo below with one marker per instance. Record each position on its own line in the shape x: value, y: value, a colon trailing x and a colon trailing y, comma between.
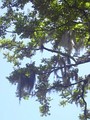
x: 61, y: 53
x: 66, y: 86
x: 71, y: 65
x: 82, y: 96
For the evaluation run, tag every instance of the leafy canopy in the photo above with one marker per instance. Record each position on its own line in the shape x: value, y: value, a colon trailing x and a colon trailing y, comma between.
x: 58, y: 29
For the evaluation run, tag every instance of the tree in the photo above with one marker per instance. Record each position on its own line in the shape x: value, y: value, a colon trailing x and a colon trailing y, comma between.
x: 60, y: 27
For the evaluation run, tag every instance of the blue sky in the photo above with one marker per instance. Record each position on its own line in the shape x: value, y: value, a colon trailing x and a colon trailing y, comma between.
x: 29, y: 109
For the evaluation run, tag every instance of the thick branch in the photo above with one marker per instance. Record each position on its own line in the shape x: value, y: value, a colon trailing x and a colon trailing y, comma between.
x: 78, y: 62
x: 61, y: 53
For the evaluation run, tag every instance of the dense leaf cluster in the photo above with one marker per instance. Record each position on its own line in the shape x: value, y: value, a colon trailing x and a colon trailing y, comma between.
x: 62, y: 29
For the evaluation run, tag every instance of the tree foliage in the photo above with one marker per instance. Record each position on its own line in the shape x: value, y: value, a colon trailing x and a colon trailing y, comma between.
x: 62, y: 29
